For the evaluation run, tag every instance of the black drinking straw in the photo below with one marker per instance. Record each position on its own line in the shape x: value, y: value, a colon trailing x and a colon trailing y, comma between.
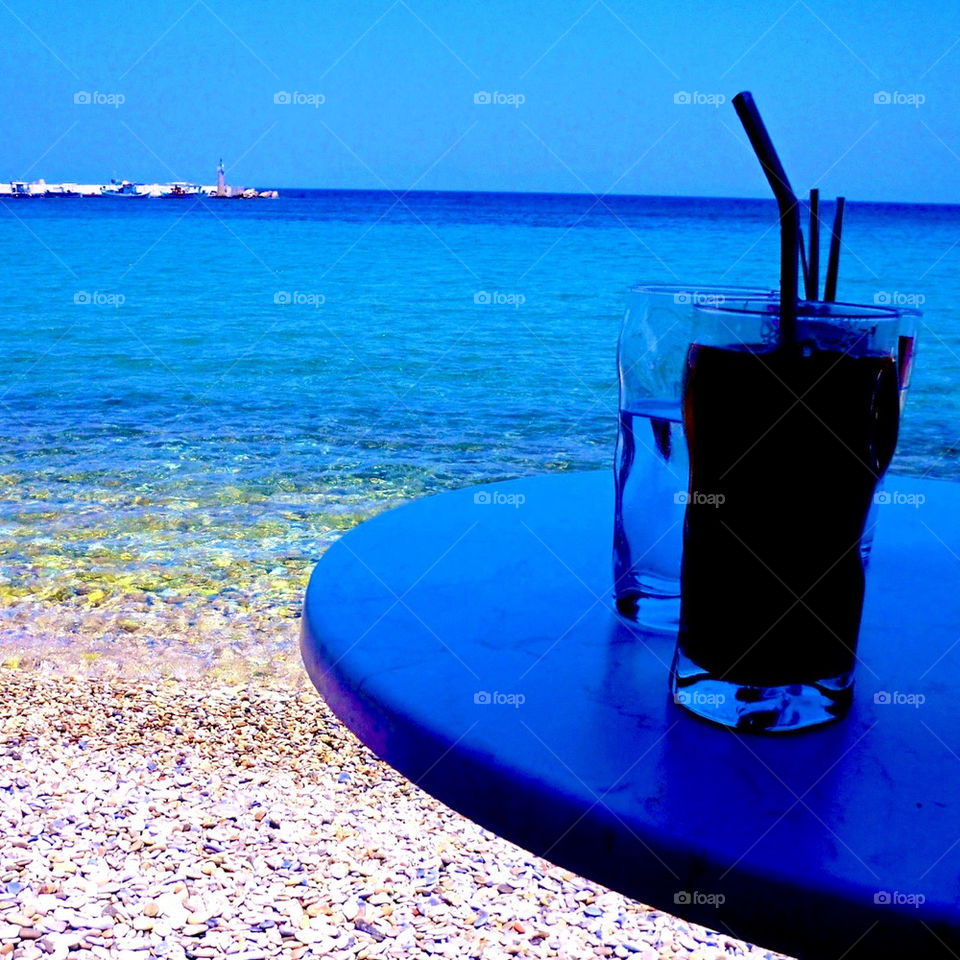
x: 833, y: 263
x: 813, y: 277
x: 803, y: 264
x: 789, y: 212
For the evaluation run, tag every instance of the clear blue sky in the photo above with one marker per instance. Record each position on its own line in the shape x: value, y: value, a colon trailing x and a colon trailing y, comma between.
x: 398, y: 80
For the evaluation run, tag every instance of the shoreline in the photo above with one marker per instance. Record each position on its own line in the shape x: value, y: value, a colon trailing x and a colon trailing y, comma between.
x: 185, y: 816
x: 161, y: 641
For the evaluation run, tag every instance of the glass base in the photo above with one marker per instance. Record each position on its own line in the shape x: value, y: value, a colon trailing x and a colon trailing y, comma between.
x: 756, y: 709
x: 660, y: 614
x: 651, y: 601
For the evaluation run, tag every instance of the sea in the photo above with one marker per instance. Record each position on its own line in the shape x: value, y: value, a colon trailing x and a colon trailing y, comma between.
x: 200, y: 394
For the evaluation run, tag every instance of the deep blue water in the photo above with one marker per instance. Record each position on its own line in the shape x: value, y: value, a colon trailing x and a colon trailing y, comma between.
x: 184, y: 411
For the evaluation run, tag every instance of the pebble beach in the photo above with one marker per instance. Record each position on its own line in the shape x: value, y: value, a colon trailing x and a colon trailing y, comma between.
x: 178, y: 808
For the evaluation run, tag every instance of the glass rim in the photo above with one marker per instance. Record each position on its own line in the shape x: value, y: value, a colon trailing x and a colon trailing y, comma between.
x: 744, y: 292
x: 808, y: 310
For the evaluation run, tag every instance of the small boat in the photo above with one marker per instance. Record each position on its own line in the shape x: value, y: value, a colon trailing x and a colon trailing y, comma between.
x: 125, y: 189
x: 179, y: 191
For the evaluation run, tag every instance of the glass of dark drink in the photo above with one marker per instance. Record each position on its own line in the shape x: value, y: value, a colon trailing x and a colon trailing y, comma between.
x: 786, y: 443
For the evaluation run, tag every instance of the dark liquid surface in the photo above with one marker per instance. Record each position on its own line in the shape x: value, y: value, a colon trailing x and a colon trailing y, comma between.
x: 772, y: 577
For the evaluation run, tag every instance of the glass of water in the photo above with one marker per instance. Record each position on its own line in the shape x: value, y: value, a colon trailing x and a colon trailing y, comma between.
x: 651, y: 468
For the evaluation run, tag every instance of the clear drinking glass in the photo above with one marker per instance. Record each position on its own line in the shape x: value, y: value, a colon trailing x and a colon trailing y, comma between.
x: 651, y: 465
x: 907, y: 329
x: 786, y: 445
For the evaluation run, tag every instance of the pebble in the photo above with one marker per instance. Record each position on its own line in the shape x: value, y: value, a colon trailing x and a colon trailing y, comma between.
x: 263, y: 829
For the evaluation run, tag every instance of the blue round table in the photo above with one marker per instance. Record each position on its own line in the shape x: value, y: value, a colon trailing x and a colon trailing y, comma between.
x: 469, y: 639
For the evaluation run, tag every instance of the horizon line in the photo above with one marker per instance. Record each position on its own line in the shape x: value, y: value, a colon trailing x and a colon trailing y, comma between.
x: 635, y: 196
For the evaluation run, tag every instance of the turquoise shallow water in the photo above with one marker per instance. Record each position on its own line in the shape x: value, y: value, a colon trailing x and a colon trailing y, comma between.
x: 195, y: 394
